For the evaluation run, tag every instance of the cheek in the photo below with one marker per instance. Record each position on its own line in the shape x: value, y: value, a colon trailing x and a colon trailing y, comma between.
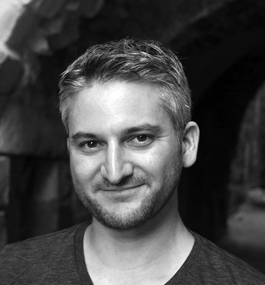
x: 82, y: 168
x: 166, y: 161
x: 155, y: 163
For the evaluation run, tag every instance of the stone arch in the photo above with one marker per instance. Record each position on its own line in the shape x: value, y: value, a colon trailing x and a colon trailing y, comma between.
x: 221, y: 53
x: 214, y: 43
x: 219, y: 115
x: 210, y: 36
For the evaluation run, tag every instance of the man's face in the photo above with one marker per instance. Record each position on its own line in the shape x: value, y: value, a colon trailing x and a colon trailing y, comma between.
x: 124, y: 153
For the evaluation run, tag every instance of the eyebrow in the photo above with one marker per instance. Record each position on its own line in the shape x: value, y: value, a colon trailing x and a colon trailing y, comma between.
x: 156, y: 129
x: 82, y: 135
x: 145, y: 127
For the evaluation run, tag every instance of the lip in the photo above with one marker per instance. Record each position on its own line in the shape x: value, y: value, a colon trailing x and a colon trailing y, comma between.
x: 122, y: 189
x: 121, y: 195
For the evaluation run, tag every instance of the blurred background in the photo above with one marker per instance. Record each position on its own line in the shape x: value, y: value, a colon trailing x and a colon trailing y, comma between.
x: 221, y: 44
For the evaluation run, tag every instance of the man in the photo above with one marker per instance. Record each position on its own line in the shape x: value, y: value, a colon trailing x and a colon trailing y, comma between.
x: 126, y: 107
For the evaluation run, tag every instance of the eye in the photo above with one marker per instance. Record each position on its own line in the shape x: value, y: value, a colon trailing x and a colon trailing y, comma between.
x: 141, y: 140
x: 90, y: 146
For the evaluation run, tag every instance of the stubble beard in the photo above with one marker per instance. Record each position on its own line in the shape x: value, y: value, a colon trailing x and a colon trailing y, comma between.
x: 149, y: 207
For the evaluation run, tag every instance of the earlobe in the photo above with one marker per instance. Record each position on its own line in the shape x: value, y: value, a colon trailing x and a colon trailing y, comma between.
x: 190, y: 144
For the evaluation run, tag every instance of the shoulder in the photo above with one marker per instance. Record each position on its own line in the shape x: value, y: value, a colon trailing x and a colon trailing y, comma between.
x: 220, y: 264
x: 40, y: 244
x: 38, y: 254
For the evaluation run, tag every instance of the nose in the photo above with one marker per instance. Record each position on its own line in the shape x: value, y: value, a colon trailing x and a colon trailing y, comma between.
x: 116, y: 166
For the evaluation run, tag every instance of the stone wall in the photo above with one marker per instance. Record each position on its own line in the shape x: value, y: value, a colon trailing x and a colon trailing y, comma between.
x: 29, y: 29
x: 247, y: 180
x: 33, y: 156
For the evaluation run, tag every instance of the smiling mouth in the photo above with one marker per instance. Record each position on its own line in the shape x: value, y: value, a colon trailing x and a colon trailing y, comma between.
x: 122, y: 189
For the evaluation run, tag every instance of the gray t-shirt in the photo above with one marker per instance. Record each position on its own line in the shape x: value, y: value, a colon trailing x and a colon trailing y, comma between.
x: 58, y: 258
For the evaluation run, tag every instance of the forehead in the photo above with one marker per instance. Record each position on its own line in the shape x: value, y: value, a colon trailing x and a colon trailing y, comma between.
x: 115, y: 105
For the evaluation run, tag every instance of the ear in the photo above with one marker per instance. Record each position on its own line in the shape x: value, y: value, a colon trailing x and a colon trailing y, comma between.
x: 190, y: 144
x: 68, y: 144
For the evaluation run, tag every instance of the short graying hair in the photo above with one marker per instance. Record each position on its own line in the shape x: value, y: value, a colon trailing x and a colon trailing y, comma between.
x: 130, y: 60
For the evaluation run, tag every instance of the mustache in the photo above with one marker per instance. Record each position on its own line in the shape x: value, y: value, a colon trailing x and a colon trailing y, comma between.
x: 128, y: 181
